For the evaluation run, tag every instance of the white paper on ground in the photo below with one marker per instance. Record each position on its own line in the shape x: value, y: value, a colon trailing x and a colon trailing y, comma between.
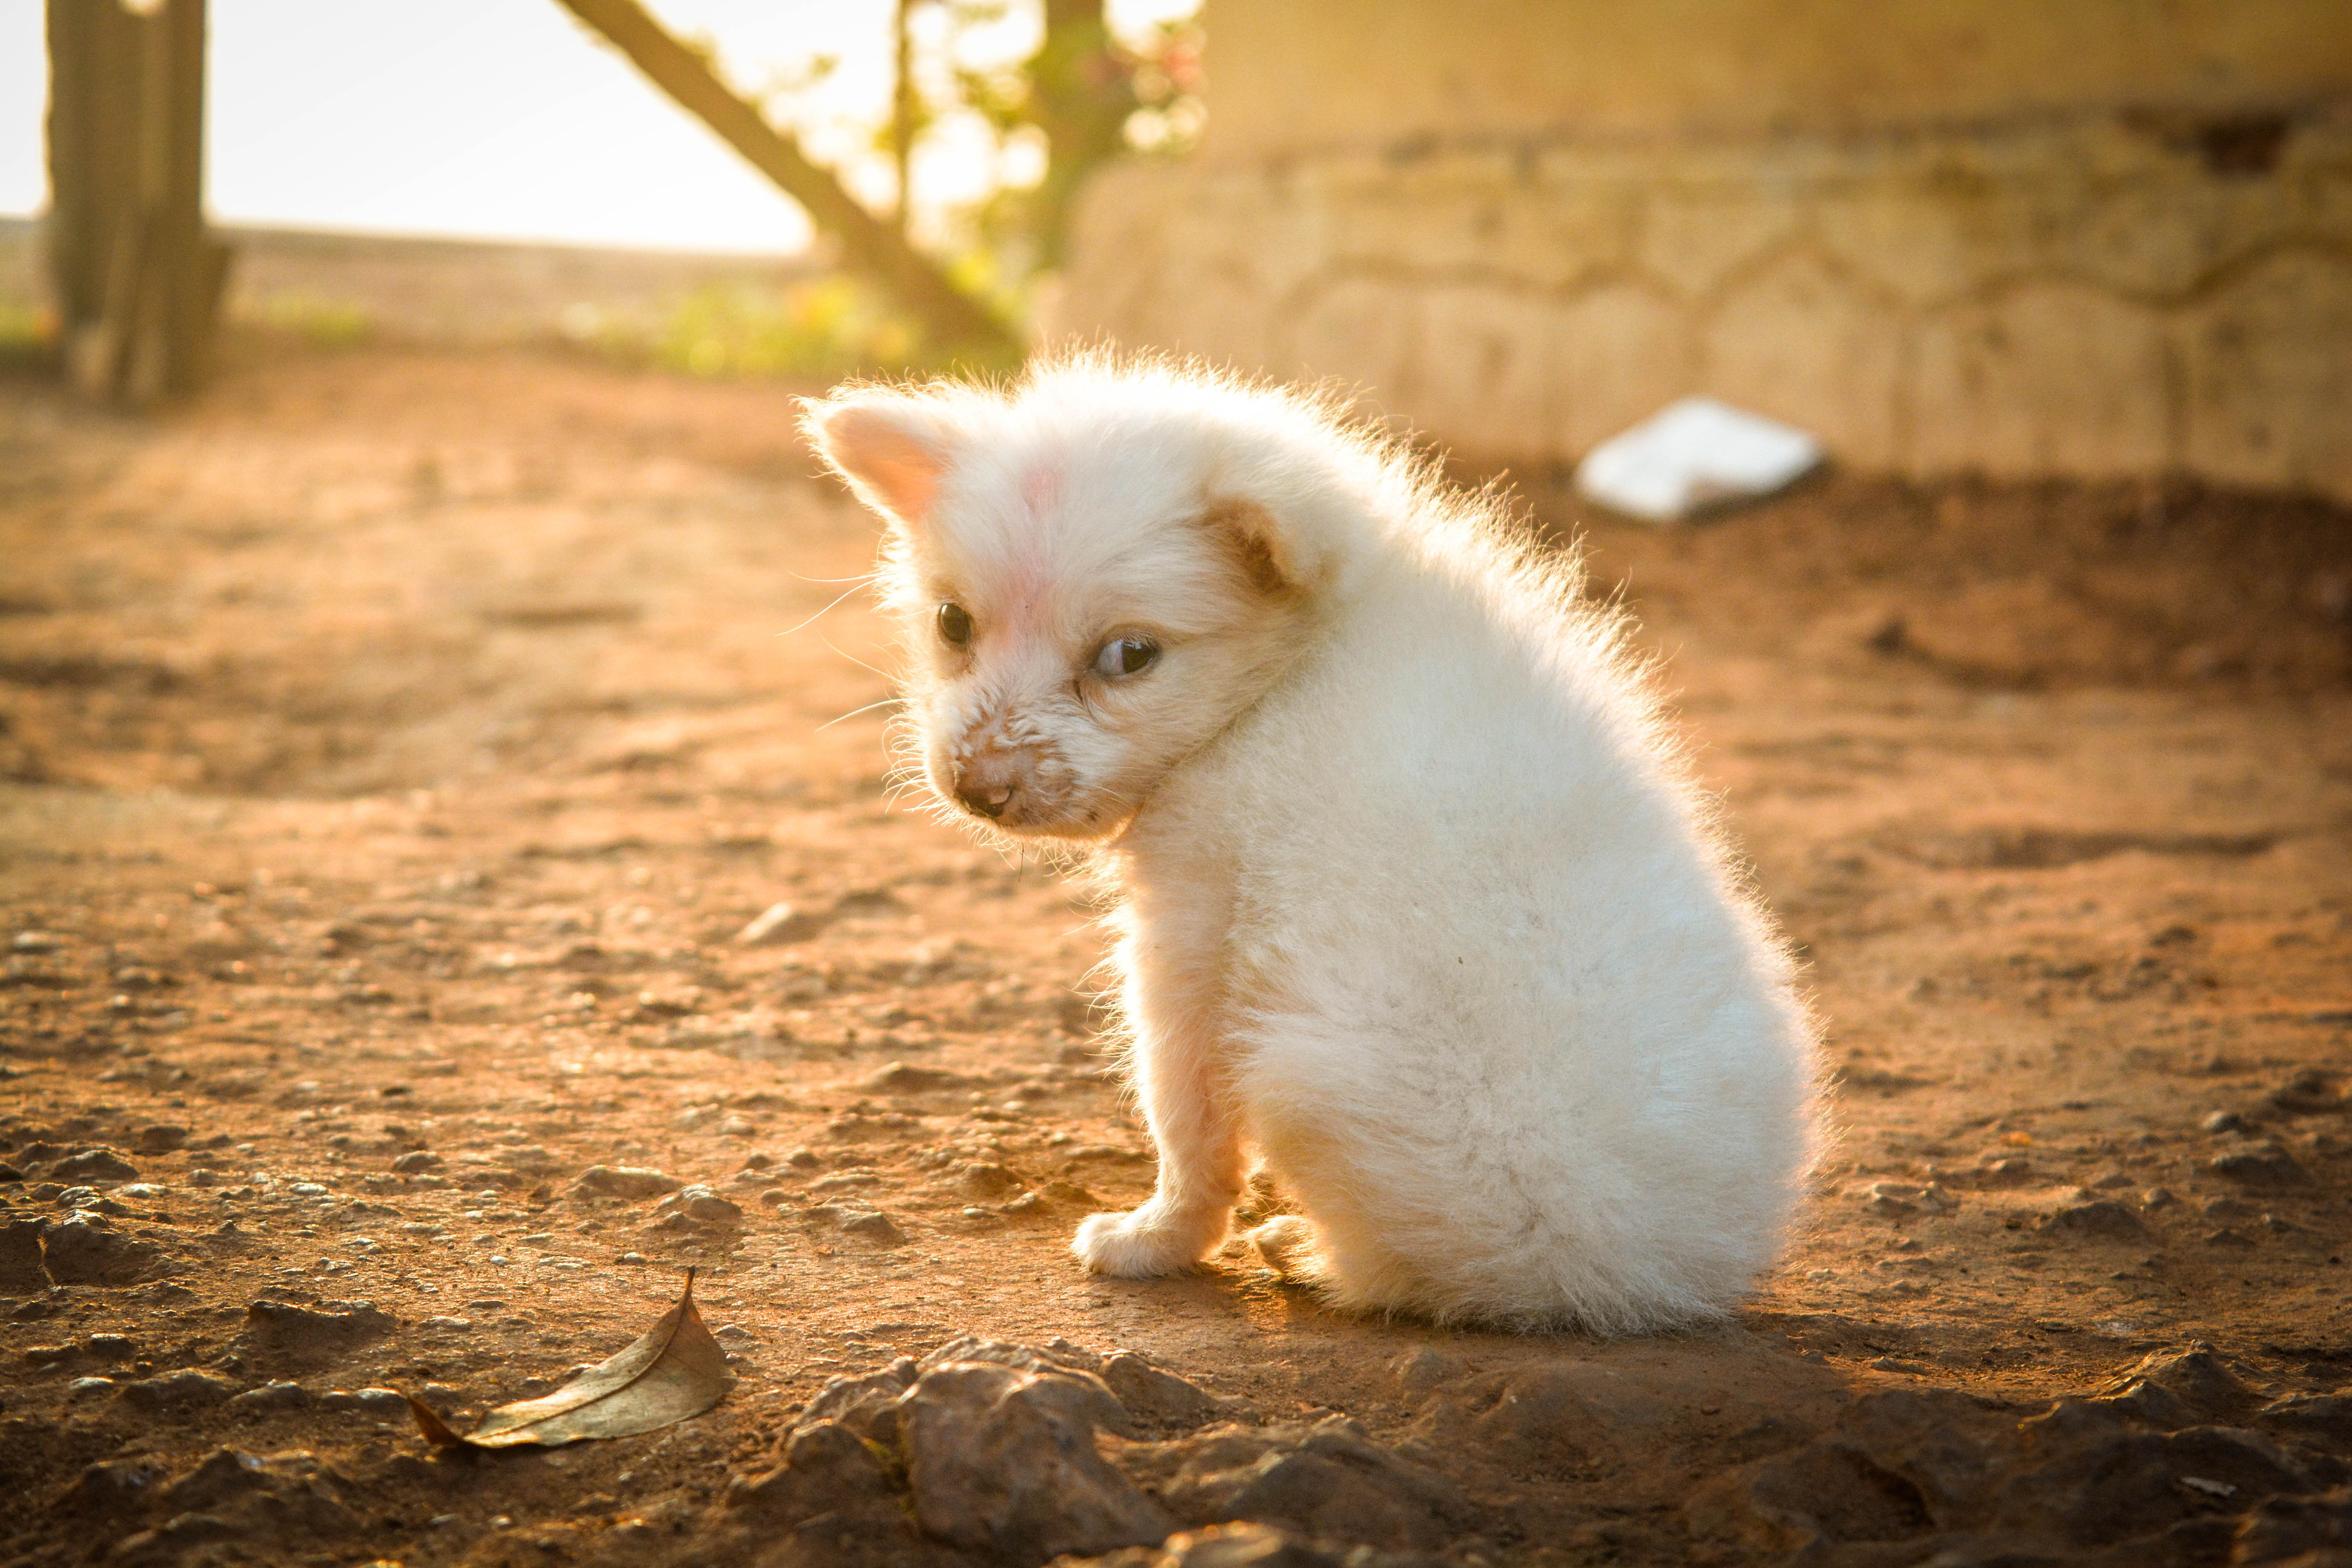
x: 1691, y: 455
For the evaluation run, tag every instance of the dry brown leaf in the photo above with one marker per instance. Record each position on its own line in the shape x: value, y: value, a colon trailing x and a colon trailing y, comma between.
x: 676, y: 1371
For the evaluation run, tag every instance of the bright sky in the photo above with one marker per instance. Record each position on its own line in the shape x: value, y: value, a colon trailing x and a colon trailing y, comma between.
x: 24, y: 91
x: 504, y: 118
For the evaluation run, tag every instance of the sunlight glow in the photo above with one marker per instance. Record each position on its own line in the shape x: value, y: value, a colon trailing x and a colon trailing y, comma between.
x: 506, y: 119
x: 24, y: 94
x: 493, y: 119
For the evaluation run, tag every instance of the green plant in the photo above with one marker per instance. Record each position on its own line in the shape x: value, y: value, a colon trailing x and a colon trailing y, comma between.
x: 323, y: 323
x: 27, y: 332
x: 825, y: 328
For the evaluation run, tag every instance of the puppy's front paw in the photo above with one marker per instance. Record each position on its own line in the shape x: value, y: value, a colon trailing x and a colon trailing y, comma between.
x: 1142, y: 1243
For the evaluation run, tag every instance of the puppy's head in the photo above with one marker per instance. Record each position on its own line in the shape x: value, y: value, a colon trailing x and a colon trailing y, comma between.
x: 1091, y: 581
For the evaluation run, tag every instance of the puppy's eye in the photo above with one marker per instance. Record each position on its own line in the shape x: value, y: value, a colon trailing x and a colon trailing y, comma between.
x: 955, y: 625
x: 1125, y: 655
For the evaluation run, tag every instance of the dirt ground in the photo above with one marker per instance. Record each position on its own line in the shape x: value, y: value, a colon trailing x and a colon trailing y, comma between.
x: 395, y: 743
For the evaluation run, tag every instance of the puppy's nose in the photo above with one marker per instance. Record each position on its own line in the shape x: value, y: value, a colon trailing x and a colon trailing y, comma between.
x: 988, y: 785
x: 988, y: 801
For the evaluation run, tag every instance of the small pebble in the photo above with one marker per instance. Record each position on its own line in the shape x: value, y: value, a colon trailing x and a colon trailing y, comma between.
x: 770, y: 924
x: 2264, y: 1166
x: 273, y: 1396
x: 96, y: 1165
x: 702, y: 1206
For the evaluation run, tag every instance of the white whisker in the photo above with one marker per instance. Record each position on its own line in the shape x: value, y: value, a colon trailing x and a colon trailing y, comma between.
x: 819, y: 614
x: 853, y: 657
x: 854, y: 712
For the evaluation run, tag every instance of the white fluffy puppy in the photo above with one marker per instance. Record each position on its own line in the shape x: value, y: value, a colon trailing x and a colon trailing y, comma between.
x: 1416, y: 899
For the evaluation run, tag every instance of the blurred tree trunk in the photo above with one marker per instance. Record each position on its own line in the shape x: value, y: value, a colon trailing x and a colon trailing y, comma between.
x: 905, y: 113
x: 138, y: 279
x: 1081, y: 94
x: 953, y: 318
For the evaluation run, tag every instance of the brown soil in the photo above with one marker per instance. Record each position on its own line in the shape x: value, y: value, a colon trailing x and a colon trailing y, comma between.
x: 398, y: 739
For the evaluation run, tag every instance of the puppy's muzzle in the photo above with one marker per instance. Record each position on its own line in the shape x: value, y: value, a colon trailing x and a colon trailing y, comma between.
x: 991, y: 782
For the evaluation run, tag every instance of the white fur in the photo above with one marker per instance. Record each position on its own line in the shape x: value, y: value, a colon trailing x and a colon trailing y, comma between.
x: 1417, y: 900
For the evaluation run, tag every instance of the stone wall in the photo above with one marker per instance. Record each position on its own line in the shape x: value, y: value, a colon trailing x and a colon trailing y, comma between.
x: 1306, y: 77
x: 2098, y: 291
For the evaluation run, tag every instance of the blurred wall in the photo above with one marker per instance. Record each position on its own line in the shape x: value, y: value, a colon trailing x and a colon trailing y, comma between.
x: 2094, y: 237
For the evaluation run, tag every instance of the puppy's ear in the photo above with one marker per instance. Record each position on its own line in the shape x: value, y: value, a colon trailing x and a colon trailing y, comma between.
x: 1277, y: 560
x: 892, y: 449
